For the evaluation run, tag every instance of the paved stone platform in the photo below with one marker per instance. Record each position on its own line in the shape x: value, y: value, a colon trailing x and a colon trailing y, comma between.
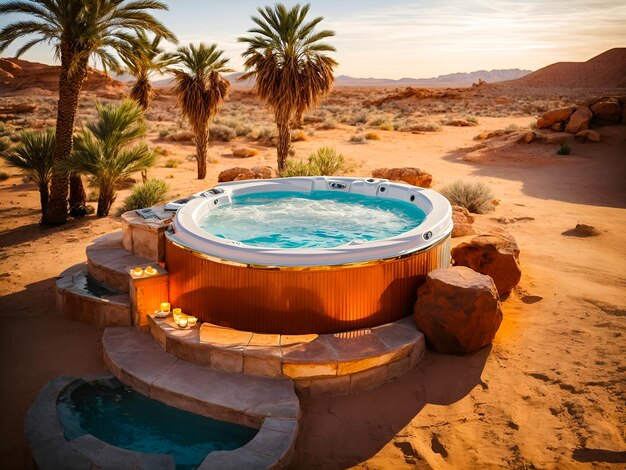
x: 110, y: 263
x: 334, y: 363
x: 78, y: 304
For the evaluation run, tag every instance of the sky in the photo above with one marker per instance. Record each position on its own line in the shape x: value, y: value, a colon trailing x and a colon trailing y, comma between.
x: 415, y: 38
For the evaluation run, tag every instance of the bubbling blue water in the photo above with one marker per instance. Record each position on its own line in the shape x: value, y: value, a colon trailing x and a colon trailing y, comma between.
x: 320, y: 219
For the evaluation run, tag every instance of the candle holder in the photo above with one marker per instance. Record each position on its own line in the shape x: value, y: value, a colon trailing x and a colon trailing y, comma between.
x: 191, y: 321
x: 182, y: 321
x: 164, y: 312
x: 150, y: 271
x: 137, y: 271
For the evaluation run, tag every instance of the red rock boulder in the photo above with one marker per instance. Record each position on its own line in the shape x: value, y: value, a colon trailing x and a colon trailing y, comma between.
x: 553, y: 116
x: 458, y: 310
x: 607, y: 111
x: 462, y: 221
x: 495, y: 255
x: 239, y: 173
x: 409, y: 175
x: 579, y: 120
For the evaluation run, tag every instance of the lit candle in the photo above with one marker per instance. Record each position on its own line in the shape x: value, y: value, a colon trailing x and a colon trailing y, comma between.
x: 150, y: 271
x: 165, y: 307
x: 137, y: 272
x: 191, y: 320
x: 182, y: 321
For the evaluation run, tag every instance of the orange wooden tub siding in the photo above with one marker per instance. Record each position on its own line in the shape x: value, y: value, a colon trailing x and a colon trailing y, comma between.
x: 298, y: 301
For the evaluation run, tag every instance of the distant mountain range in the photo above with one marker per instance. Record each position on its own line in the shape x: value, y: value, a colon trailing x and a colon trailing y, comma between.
x: 450, y: 80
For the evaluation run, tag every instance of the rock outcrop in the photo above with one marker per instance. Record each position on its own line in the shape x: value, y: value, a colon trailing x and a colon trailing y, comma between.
x: 413, y: 176
x: 458, y: 310
x: 588, y: 136
x: 240, y: 173
x: 463, y: 221
x: 579, y: 120
x: 495, y: 255
x: 549, y: 118
x: 607, y: 111
x: 245, y: 152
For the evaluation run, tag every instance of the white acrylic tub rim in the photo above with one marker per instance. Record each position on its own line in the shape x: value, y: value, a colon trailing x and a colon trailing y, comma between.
x: 436, y: 226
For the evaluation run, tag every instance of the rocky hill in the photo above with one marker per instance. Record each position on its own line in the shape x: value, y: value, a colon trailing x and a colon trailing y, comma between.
x: 607, y: 70
x: 17, y: 75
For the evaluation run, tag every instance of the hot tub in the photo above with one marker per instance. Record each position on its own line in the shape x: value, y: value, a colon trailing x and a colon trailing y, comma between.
x: 318, y: 283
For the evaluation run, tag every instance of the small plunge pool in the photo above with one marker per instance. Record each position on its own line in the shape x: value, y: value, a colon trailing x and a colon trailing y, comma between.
x: 114, y: 413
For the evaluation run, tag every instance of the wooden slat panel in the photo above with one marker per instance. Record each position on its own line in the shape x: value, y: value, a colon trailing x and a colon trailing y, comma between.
x: 298, y: 302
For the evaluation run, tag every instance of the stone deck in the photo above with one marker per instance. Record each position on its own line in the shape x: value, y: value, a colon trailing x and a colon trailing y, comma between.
x: 334, y: 363
x: 110, y: 263
x: 76, y: 303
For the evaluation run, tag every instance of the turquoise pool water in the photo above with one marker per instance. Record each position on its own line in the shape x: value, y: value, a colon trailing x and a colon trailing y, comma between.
x: 124, y: 418
x: 321, y: 219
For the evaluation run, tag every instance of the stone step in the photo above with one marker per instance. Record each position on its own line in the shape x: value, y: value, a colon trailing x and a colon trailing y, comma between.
x: 270, y: 404
x: 339, y: 363
x: 80, y: 298
x: 110, y: 263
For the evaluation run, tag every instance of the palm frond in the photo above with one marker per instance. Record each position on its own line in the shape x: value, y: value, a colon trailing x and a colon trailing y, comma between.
x: 33, y: 155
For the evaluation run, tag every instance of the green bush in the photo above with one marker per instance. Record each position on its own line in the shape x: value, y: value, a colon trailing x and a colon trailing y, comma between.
x: 475, y: 197
x: 326, y: 161
x: 145, y: 195
x: 564, y: 149
x: 240, y: 127
x: 172, y: 163
x: 296, y: 168
x: 221, y: 133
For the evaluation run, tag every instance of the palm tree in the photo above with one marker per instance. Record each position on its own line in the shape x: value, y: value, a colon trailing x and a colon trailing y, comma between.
x: 287, y: 57
x: 104, y: 149
x: 33, y: 155
x: 201, y: 91
x: 142, y: 64
x: 78, y: 30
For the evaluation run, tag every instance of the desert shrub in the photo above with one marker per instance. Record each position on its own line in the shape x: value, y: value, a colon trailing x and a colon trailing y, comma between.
x: 326, y: 161
x: 475, y: 197
x: 564, y: 149
x: 212, y: 160
x: 5, y: 144
x: 328, y: 124
x: 240, y: 127
x: 172, y: 163
x: 221, y: 133
x: 163, y: 133
x: 298, y: 135
x: 358, y: 139
x: 295, y: 168
x: 421, y: 126
x: 265, y: 134
x: 533, y: 125
x: 472, y: 119
x: 512, y: 128
x: 4, y: 175
x: 371, y: 136
x: 145, y: 195
x: 386, y: 126
x: 360, y: 117
x: 376, y: 121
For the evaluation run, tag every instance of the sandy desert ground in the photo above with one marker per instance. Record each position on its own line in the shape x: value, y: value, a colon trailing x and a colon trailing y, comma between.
x: 549, y: 393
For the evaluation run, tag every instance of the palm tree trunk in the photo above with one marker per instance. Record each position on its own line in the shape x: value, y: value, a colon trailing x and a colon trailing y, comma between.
x: 284, y: 142
x: 106, y: 199
x: 202, y: 145
x: 69, y: 91
x: 43, y: 197
x: 78, y: 197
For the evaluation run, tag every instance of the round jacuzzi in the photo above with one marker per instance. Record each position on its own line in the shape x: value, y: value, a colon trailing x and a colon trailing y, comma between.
x: 307, y: 254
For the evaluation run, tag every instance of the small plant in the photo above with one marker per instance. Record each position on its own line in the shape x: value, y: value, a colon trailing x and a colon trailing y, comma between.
x: 295, y: 168
x: 4, y: 176
x: 360, y: 117
x: 386, y: 126
x: 172, y: 163
x: 328, y: 124
x: 533, y: 126
x: 358, y: 139
x: 145, y: 195
x: 163, y: 133
x: 298, y: 135
x: 326, y: 161
x: 376, y: 121
x: 564, y: 149
x: 212, y: 160
x: 372, y: 136
x: 221, y: 133
x: 472, y: 119
x: 512, y: 128
x: 475, y: 197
